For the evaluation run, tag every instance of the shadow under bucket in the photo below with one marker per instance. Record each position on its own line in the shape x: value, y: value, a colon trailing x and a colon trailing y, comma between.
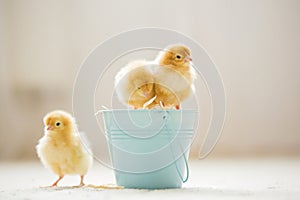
x: 149, y: 148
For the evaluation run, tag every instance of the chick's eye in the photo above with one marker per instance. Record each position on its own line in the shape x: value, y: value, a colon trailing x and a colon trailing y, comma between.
x: 57, y: 124
x: 178, y: 56
x: 138, y: 88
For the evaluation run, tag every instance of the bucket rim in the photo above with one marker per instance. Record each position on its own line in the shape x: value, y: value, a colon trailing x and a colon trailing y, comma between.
x: 143, y: 110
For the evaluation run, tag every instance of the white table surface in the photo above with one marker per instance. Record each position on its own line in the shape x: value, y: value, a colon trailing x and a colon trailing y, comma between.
x: 263, y: 178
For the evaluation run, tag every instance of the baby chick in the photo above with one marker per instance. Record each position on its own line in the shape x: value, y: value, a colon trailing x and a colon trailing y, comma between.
x: 134, y: 84
x: 60, y: 149
x: 174, y: 77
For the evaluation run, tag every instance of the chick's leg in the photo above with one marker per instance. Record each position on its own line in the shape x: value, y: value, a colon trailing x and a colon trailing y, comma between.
x: 81, y: 180
x: 56, y: 182
x: 162, y: 105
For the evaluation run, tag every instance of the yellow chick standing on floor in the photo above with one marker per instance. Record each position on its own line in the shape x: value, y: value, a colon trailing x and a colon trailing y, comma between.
x: 134, y: 84
x: 173, y: 76
x: 61, y: 150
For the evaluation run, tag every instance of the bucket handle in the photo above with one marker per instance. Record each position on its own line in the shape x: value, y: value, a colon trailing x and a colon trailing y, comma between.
x: 185, y: 161
x: 187, y: 169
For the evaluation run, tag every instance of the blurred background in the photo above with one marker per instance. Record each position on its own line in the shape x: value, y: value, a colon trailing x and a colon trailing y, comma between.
x: 255, y: 44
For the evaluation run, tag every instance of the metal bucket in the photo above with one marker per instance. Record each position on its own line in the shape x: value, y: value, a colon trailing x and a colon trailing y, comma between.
x: 149, y: 148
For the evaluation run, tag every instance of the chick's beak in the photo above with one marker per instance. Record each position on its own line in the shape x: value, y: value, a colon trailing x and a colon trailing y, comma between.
x: 49, y: 127
x: 188, y: 59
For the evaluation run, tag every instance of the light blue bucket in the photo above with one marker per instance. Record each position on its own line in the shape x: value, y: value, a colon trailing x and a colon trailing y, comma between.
x: 149, y: 148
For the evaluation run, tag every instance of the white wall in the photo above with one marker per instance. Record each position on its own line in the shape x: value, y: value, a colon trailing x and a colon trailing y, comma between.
x: 255, y: 44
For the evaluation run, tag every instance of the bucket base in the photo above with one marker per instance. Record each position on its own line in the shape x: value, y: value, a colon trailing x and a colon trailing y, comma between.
x: 165, y: 178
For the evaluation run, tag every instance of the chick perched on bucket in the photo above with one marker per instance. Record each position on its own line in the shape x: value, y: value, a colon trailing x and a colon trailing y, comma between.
x: 166, y: 82
x: 174, y: 77
x: 134, y: 84
x: 60, y: 149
